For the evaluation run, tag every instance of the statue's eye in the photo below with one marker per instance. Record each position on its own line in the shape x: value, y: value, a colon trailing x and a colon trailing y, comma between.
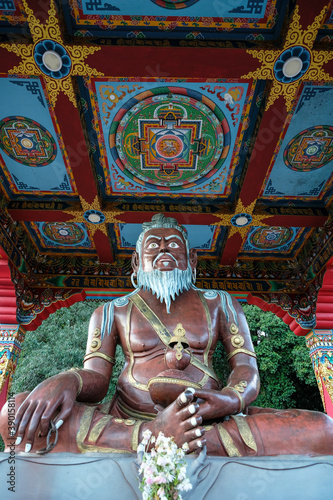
x: 152, y: 245
x: 173, y: 244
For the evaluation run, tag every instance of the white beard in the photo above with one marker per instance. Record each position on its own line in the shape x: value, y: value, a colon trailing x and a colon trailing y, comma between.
x: 165, y: 284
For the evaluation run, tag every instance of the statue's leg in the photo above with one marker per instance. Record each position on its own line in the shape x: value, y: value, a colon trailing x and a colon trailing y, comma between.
x: 89, y: 428
x: 294, y: 432
x: 285, y: 432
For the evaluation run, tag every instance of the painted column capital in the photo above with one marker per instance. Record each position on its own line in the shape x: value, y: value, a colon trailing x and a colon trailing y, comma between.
x: 320, y: 344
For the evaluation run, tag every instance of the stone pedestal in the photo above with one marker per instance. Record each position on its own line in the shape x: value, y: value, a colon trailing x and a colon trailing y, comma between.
x: 65, y: 476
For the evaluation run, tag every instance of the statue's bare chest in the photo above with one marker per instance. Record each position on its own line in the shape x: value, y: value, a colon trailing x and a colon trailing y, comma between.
x: 149, y: 329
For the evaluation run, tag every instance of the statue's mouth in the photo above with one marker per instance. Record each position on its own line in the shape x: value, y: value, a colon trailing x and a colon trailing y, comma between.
x: 166, y: 259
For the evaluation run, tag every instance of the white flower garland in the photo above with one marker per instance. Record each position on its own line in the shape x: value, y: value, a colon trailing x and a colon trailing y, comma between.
x: 163, y: 469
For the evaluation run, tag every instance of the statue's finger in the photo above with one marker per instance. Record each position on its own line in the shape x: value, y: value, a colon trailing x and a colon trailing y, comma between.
x: 199, y: 431
x: 185, y: 398
x: 193, y: 422
x: 27, y: 412
x: 31, y: 429
x: 201, y: 444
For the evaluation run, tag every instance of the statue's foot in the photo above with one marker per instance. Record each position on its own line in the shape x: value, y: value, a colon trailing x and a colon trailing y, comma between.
x: 181, y: 421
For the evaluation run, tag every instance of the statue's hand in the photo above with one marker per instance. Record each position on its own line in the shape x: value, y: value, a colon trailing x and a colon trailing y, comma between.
x: 52, y: 398
x: 181, y: 421
x: 215, y: 404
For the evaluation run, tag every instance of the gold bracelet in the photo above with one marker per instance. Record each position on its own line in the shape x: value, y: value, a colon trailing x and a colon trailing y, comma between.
x: 241, y: 350
x: 78, y: 376
x: 91, y: 355
x: 240, y: 397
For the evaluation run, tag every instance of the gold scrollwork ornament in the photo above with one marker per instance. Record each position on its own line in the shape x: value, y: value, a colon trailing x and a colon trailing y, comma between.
x: 233, y: 329
x: 237, y: 341
x: 240, y: 387
x: 95, y: 344
x: 97, y: 332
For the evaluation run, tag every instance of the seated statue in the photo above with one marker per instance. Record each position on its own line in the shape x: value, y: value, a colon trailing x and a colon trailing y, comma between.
x: 168, y: 330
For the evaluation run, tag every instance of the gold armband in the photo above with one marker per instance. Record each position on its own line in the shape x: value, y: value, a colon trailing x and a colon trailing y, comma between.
x: 75, y: 371
x: 240, y: 397
x: 241, y: 350
x: 91, y: 355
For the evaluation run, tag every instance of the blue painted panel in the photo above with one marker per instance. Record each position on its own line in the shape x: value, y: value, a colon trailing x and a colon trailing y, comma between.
x: 25, y: 98
x: 249, y: 9
x: 313, y: 109
x: 230, y: 101
x: 82, y: 239
x: 200, y: 237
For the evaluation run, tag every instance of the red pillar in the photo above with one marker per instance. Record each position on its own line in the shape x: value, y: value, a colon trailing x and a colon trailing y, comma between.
x: 11, y: 334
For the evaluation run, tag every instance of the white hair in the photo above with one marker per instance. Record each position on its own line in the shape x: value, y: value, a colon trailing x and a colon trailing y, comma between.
x: 165, y: 284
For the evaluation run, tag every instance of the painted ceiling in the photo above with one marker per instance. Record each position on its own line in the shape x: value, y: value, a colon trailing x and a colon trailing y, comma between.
x: 217, y: 113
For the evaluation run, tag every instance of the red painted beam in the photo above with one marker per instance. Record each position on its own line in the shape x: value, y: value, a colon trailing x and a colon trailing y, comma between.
x: 76, y: 147
x: 297, y: 220
x: 39, y: 215
x: 309, y: 10
x: 103, y: 248
x: 268, y: 134
x: 231, y: 250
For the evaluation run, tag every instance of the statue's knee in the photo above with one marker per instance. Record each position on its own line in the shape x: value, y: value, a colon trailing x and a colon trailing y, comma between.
x: 328, y: 423
x: 10, y: 408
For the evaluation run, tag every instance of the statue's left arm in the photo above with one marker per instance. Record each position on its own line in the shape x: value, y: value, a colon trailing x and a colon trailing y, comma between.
x: 243, y: 384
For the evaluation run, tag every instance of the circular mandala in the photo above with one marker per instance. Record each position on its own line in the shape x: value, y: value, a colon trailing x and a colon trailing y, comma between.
x: 310, y: 149
x: 241, y: 220
x: 27, y: 141
x: 266, y: 238
x: 52, y: 59
x: 292, y: 64
x: 94, y: 216
x: 63, y: 233
x: 169, y: 138
x: 174, y: 4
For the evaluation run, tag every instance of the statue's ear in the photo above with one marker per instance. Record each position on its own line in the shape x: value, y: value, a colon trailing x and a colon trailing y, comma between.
x: 135, y: 261
x: 193, y: 258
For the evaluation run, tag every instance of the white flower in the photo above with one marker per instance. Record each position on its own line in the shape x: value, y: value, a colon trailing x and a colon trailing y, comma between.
x: 185, y: 447
x: 147, y: 434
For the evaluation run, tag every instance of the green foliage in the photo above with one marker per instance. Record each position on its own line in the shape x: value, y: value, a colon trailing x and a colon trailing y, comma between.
x: 286, y: 373
x: 220, y: 363
x: 57, y: 345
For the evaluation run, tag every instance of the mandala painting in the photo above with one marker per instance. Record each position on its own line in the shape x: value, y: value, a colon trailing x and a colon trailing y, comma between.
x: 169, y: 138
x: 26, y: 141
x: 310, y: 149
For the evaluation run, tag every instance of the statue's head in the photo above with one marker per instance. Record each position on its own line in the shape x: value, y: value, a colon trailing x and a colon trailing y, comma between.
x: 163, y: 261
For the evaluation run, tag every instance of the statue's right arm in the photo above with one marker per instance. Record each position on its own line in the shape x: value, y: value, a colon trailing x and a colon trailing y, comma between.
x: 54, y: 398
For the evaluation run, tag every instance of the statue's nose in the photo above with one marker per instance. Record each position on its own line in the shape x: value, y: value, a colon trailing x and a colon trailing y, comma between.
x: 163, y: 246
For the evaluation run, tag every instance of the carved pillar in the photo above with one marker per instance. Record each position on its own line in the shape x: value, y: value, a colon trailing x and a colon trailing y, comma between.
x: 320, y: 343
x: 11, y: 338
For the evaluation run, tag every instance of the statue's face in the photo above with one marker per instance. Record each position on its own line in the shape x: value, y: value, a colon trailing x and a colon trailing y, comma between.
x: 163, y: 249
